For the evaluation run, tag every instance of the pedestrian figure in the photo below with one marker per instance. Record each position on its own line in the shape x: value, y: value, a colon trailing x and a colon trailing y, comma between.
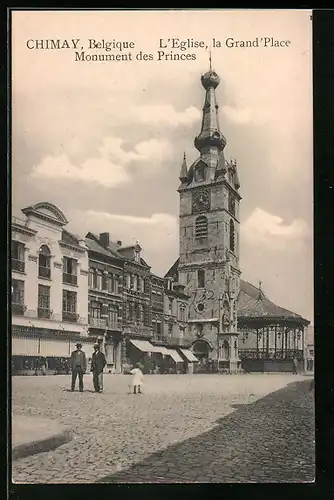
x: 295, y: 364
x: 78, y: 366
x: 137, y: 379
x: 43, y: 367
x: 98, y: 363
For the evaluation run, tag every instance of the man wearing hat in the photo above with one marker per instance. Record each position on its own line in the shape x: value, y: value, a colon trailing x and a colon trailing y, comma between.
x: 98, y: 363
x: 78, y: 366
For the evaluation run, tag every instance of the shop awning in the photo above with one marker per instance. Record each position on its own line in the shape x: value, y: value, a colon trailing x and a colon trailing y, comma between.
x: 174, y: 355
x: 23, y: 346
x: 189, y: 355
x: 145, y: 346
x: 55, y: 348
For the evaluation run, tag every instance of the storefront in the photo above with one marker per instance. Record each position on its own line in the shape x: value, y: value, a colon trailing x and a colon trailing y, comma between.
x: 141, y: 351
x: 41, y: 349
x: 189, y: 360
x: 154, y: 359
x: 112, y: 351
x: 174, y: 362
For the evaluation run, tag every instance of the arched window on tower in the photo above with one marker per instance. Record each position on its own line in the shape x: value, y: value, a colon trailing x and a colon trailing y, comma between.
x: 201, y: 278
x: 201, y: 227
x: 231, y: 203
x: 232, y: 236
x: 44, y: 262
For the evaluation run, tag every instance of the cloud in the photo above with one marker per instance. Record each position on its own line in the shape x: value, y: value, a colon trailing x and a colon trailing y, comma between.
x: 166, y: 114
x: 262, y: 228
x: 156, y: 233
x: 238, y: 115
x: 110, y: 167
x: 150, y: 114
x: 164, y: 223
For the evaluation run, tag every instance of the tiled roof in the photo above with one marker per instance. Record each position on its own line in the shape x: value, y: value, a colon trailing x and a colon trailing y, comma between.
x: 253, y: 303
x: 173, y: 271
x: 68, y: 237
x: 94, y: 246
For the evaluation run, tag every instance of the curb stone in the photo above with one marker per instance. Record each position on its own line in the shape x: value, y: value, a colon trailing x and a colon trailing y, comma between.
x: 48, y: 444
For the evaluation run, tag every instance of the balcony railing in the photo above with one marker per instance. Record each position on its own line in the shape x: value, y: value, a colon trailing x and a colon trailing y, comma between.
x: 70, y: 316
x: 137, y: 329
x: 71, y: 279
x: 270, y: 353
x: 44, y: 272
x: 176, y: 341
x: 98, y: 323
x: 18, y: 309
x: 114, y: 325
x: 44, y: 312
x: 105, y: 324
x: 18, y: 265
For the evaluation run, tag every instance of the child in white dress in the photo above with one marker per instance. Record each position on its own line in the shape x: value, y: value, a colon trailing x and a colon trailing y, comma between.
x: 137, y: 379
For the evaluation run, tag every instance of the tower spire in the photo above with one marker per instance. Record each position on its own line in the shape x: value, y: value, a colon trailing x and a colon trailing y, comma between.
x: 184, y: 169
x: 210, y: 134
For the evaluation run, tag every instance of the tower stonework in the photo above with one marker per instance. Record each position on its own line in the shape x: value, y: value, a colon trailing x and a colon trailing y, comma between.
x: 209, y: 240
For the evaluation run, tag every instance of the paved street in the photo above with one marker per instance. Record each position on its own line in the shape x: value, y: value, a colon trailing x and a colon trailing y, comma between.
x: 201, y: 428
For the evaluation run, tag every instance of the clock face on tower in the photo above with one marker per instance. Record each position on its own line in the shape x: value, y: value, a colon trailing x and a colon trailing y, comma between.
x: 201, y: 201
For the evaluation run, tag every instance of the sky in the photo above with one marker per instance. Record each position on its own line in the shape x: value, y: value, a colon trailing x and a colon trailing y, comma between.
x: 104, y: 141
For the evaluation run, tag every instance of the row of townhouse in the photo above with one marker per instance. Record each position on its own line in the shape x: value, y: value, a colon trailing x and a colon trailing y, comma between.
x: 67, y: 289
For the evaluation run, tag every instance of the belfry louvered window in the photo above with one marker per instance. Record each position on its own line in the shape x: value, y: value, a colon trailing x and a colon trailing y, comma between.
x: 201, y: 227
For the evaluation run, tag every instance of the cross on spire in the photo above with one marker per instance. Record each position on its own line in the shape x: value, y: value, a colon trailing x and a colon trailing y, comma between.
x: 210, y: 60
x: 260, y: 284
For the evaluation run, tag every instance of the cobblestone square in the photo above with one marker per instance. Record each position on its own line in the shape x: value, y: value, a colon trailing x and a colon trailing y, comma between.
x: 200, y: 428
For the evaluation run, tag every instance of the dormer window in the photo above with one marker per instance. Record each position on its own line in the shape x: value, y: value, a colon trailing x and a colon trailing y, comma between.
x: 199, y: 175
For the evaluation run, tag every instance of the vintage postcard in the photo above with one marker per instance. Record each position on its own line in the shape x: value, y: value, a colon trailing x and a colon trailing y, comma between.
x: 162, y: 246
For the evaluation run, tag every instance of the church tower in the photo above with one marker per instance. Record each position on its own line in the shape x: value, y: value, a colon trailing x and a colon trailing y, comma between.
x: 209, y: 239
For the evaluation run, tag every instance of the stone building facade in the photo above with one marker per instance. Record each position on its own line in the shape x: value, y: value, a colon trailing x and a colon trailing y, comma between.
x: 176, y: 314
x: 208, y: 266
x: 49, y: 288
x: 127, y: 307
x: 105, y: 298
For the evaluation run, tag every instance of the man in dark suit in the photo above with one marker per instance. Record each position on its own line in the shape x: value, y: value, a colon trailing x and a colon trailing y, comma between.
x: 78, y: 366
x: 98, y: 363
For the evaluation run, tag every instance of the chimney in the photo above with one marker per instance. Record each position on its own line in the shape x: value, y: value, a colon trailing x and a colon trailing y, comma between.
x: 119, y: 243
x: 104, y: 239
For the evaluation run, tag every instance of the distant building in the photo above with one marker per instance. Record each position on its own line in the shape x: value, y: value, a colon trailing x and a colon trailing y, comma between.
x: 137, y: 321
x: 176, y: 314
x: 105, y: 297
x: 127, y: 308
x: 176, y: 333
x: 49, y: 289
